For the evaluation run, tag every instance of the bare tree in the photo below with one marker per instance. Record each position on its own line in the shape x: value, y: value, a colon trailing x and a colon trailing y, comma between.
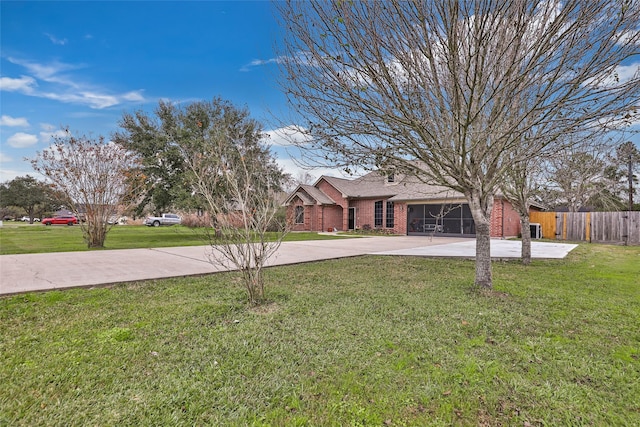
x: 242, y: 218
x: 302, y: 177
x: 521, y: 186
x: 229, y: 172
x: 577, y: 177
x: 95, y: 177
x: 468, y: 88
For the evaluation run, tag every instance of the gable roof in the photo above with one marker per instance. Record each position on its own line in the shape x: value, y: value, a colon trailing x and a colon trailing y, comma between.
x: 369, y: 185
x: 373, y: 185
x: 404, y: 188
x: 309, y: 195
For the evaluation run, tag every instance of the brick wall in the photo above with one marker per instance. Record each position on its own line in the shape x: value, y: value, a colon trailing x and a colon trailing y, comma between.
x: 511, y: 221
x: 400, y: 215
x: 336, y: 196
x: 505, y: 221
x: 496, y: 218
x: 364, y: 212
x: 308, y: 216
x: 333, y: 218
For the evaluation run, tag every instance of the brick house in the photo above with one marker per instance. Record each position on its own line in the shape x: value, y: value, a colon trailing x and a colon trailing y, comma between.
x: 400, y: 204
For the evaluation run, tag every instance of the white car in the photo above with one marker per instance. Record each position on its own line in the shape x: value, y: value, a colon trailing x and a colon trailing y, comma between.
x: 27, y: 219
x: 164, y: 219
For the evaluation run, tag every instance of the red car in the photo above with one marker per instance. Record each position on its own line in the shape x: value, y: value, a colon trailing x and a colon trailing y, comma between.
x: 64, y: 220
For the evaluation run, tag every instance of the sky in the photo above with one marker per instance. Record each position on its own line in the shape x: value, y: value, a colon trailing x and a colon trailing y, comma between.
x: 81, y: 65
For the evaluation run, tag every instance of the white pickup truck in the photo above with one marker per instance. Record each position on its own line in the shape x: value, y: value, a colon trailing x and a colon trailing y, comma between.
x: 165, y: 219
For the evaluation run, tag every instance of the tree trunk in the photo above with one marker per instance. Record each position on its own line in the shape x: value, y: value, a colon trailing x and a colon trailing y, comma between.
x: 525, y: 230
x: 481, y: 211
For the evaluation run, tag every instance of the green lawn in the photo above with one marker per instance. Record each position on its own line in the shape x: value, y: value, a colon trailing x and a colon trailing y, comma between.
x: 38, y: 238
x: 396, y: 341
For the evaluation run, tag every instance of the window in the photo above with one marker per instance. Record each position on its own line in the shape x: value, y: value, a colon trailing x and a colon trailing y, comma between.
x: 377, y: 214
x: 391, y: 178
x: 389, y: 214
x: 299, y: 214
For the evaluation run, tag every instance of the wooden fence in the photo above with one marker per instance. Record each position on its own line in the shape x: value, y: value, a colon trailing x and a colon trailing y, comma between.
x: 597, y: 227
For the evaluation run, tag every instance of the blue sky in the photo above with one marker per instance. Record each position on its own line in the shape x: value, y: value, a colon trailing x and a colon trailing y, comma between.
x: 82, y: 64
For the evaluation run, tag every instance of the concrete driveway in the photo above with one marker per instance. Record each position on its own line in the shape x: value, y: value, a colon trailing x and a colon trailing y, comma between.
x: 37, y: 272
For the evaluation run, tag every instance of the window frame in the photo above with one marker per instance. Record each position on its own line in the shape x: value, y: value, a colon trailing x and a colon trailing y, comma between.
x: 390, y: 215
x: 378, y: 213
x: 298, y: 216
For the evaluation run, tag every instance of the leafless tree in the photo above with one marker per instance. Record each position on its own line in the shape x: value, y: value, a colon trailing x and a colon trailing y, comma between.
x: 469, y: 88
x: 96, y: 178
x: 521, y: 186
x: 577, y: 177
x: 302, y: 177
x: 241, y: 217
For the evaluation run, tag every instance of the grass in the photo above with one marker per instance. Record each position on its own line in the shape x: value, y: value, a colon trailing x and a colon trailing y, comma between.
x: 37, y: 238
x: 396, y: 341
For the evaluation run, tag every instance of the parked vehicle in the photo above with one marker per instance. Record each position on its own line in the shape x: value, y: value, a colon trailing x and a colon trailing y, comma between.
x: 60, y: 220
x: 27, y: 219
x: 117, y: 220
x: 165, y: 219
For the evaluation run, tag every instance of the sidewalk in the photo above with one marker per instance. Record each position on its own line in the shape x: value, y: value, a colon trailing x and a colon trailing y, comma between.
x: 36, y: 272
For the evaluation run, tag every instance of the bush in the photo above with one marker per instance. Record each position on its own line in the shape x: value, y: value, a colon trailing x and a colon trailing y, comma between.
x: 194, y: 221
x: 279, y: 221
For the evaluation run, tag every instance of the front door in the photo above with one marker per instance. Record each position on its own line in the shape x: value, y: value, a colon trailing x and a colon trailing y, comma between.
x: 352, y: 218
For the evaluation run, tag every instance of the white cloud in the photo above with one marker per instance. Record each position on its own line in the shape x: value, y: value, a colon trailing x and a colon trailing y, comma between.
x: 259, y: 62
x: 48, y: 127
x: 59, y: 85
x: 22, y: 140
x: 7, y: 174
x: 48, y: 72
x: 49, y: 132
x: 133, y: 96
x: 4, y: 158
x: 13, y: 121
x: 287, y: 136
x: 627, y: 72
x: 294, y: 168
x: 288, y: 142
x: 24, y: 84
x: 56, y: 40
x: 620, y: 75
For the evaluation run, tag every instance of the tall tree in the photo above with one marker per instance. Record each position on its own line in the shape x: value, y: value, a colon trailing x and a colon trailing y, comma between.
x: 469, y: 88
x: 626, y: 167
x: 524, y: 181
x: 520, y: 186
x: 227, y: 168
x: 25, y: 192
x: 161, y: 162
x: 582, y: 177
x: 96, y: 178
x: 163, y: 140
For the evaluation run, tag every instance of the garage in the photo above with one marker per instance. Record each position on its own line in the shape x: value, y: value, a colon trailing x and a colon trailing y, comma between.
x: 442, y: 219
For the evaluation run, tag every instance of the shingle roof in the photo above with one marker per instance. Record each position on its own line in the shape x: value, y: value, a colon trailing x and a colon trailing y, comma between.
x: 318, y: 195
x: 310, y: 195
x: 363, y: 187
x: 373, y: 185
x: 404, y: 187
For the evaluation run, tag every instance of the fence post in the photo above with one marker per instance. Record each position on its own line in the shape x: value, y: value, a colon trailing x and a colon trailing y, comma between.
x: 626, y: 228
